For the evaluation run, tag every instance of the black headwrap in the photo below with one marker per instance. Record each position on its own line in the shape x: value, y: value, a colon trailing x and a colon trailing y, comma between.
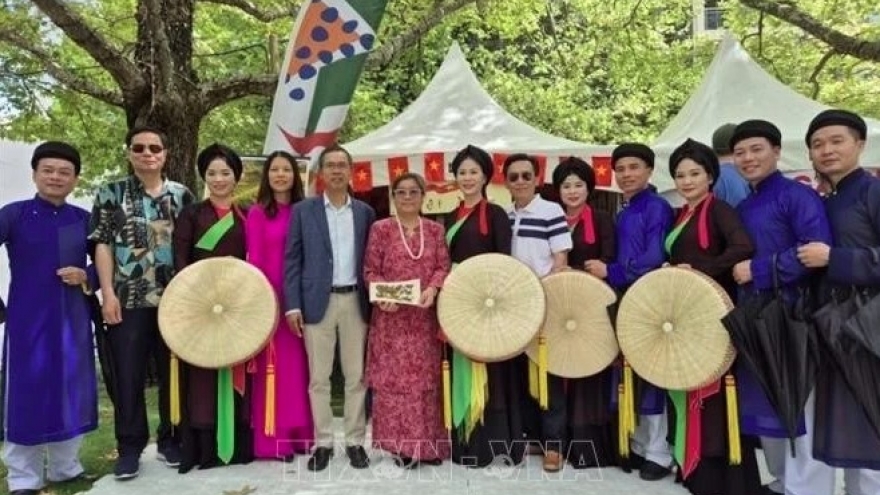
x: 215, y: 151
x: 636, y: 150
x: 756, y: 128
x: 838, y: 117
x: 699, y: 153
x: 56, y: 149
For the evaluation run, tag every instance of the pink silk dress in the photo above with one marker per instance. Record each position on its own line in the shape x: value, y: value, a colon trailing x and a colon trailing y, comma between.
x: 294, y: 430
x: 404, y: 355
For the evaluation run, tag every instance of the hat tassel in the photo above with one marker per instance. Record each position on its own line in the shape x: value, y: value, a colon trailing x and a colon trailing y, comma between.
x: 543, y: 399
x: 733, y: 432
x: 447, y: 396
x: 622, y: 434
x: 269, y: 418
x: 174, y: 392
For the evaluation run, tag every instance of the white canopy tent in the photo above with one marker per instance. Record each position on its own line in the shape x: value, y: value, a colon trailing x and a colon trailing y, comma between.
x: 736, y: 88
x: 453, y: 111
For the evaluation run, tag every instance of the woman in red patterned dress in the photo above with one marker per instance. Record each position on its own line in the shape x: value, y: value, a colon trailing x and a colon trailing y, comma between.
x: 403, y: 351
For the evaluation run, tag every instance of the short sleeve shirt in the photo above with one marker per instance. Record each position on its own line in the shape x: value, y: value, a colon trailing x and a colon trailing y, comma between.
x: 539, y: 232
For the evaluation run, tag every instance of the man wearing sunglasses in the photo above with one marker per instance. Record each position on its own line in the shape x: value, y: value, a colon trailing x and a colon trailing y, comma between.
x: 132, y: 225
x: 541, y: 240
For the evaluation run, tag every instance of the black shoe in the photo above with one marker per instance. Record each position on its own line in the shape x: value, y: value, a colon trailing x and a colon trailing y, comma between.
x: 127, y: 467
x: 320, y: 459
x: 288, y: 458
x: 651, y: 471
x: 25, y: 491
x: 632, y: 463
x: 357, y: 457
x: 405, y: 462
x: 170, y: 455
x: 80, y: 477
x: 431, y: 462
x: 766, y: 490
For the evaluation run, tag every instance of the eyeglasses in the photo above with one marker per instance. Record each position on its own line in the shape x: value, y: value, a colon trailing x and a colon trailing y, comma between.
x: 407, y: 193
x: 526, y: 176
x: 154, y: 148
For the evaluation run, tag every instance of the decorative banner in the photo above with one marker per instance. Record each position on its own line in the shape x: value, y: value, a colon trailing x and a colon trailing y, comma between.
x: 325, y: 57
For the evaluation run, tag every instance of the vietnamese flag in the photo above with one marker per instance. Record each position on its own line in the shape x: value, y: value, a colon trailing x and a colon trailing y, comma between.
x: 362, y: 176
x: 434, y: 167
x: 498, y: 161
x: 397, y: 166
x: 542, y: 168
x: 602, y: 168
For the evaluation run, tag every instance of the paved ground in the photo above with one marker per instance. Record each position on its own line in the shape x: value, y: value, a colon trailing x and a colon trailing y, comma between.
x: 383, y: 478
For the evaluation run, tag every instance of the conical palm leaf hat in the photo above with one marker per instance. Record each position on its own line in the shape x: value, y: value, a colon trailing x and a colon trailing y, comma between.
x: 218, y: 312
x: 491, y: 307
x: 579, y: 335
x: 669, y: 329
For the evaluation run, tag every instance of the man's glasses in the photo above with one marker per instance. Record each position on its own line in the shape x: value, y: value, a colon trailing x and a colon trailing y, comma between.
x: 140, y: 148
x: 407, y: 193
x: 514, y: 177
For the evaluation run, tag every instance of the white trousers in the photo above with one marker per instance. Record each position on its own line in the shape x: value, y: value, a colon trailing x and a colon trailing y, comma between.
x: 25, y: 464
x: 649, y: 440
x: 800, y: 474
x: 861, y: 482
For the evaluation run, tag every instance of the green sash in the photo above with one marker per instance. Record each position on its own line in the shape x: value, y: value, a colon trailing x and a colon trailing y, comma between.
x: 225, y: 390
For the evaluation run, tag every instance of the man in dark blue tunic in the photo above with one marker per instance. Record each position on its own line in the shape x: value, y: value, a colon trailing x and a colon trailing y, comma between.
x: 780, y: 215
x: 50, y: 395
x: 844, y: 438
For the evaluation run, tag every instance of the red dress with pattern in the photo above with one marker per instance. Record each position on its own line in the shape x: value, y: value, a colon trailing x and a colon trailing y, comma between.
x: 404, y: 354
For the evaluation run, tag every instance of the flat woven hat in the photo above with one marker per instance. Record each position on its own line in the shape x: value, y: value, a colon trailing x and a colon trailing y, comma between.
x: 491, y: 307
x: 579, y: 334
x: 669, y: 329
x: 218, y: 312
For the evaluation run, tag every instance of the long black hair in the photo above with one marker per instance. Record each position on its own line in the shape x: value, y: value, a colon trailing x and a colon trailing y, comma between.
x: 265, y: 195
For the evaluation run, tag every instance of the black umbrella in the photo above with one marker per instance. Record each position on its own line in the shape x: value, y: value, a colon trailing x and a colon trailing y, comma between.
x: 857, y: 364
x: 861, y: 326
x: 102, y: 344
x: 775, y: 340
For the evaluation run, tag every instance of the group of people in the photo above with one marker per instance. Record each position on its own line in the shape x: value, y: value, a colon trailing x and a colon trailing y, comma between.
x: 743, y: 224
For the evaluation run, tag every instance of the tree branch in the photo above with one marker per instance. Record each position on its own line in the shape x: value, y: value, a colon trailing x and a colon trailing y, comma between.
x: 252, y: 10
x: 150, y: 14
x: 814, y: 77
x: 59, y: 73
x: 383, y: 56
x: 217, y: 93
x: 842, y: 43
x: 122, y: 70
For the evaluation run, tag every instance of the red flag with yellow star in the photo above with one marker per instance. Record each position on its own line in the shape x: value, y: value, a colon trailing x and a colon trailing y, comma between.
x: 362, y: 176
x: 602, y: 169
x: 498, y: 161
x: 397, y: 166
x: 434, y: 167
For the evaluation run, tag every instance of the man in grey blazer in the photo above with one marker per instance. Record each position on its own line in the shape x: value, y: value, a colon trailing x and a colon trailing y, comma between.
x: 326, y: 299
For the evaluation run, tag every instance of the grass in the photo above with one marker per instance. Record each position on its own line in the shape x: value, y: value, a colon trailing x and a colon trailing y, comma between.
x: 98, y: 451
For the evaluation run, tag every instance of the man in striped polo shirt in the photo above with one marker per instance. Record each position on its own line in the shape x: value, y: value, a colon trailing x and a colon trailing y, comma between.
x: 541, y: 240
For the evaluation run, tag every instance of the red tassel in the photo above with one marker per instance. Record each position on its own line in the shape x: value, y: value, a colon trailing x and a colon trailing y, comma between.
x: 484, y: 224
x: 587, y: 220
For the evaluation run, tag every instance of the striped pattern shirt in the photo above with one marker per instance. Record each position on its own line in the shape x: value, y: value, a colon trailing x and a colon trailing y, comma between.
x: 539, y: 231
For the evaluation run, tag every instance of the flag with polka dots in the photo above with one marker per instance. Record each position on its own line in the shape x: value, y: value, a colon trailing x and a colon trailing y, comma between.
x: 325, y: 57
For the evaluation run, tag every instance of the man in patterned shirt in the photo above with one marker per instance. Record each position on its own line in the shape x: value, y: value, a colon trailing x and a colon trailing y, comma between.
x: 132, y: 223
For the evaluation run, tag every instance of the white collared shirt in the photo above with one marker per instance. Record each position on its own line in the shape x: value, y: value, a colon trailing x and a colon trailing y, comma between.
x: 340, y: 223
x: 539, y: 232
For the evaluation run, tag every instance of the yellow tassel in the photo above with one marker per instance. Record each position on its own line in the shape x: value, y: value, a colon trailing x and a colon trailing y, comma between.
x: 447, y: 396
x: 733, y: 439
x: 479, y: 391
x: 622, y: 421
x: 629, y: 398
x: 174, y: 399
x: 543, y: 399
x: 269, y: 427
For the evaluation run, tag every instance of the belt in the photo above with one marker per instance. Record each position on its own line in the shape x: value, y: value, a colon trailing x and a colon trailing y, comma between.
x: 343, y: 289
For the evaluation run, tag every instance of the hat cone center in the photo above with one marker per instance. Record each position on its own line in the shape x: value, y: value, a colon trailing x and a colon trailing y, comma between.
x: 490, y: 303
x: 217, y: 309
x: 667, y: 327
x: 570, y: 325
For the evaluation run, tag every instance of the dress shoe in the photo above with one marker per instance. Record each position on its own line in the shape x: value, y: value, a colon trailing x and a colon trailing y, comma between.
x: 651, y: 471
x: 357, y: 457
x: 552, y: 461
x: 766, y: 490
x: 320, y: 459
x: 25, y: 491
x: 633, y: 462
x: 80, y: 477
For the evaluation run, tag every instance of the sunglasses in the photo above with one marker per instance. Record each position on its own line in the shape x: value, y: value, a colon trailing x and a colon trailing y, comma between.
x: 514, y: 177
x: 154, y: 148
x: 407, y: 193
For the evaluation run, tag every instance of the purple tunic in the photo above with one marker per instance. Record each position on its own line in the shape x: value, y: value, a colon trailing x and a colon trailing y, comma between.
x: 642, y: 226
x: 48, y: 358
x: 779, y: 215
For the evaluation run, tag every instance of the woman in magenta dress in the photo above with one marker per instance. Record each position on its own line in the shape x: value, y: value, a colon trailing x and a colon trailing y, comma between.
x: 268, y: 222
x: 403, y: 351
